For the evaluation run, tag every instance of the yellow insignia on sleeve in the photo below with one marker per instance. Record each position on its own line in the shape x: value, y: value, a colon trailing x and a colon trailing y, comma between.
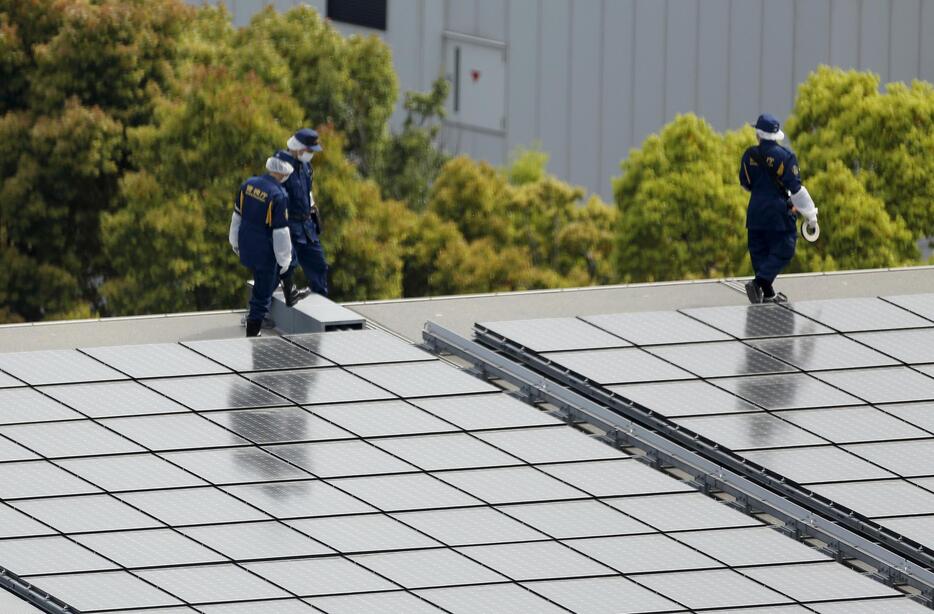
x: 794, y: 169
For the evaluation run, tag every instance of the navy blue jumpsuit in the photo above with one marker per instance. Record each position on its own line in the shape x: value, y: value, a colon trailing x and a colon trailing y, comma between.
x: 303, y: 226
x: 261, y: 203
x: 770, y: 222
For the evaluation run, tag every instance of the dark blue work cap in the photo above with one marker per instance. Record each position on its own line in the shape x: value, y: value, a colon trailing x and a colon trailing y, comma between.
x: 306, y: 138
x: 768, y: 127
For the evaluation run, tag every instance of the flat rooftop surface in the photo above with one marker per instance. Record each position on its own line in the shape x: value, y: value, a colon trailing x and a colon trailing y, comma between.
x: 406, y: 317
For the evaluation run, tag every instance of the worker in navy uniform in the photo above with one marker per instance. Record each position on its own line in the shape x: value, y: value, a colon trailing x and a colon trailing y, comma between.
x: 304, y: 221
x: 770, y: 172
x: 259, y: 234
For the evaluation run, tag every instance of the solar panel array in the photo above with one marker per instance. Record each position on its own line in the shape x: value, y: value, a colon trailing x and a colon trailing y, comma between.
x: 837, y: 395
x: 350, y: 472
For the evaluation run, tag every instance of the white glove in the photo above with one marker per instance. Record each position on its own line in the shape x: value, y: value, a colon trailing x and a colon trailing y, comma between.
x: 234, y: 235
x: 284, y: 270
x: 282, y: 246
x: 804, y: 205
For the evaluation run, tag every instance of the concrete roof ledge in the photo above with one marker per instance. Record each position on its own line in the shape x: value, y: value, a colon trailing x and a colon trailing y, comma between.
x: 407, y: 317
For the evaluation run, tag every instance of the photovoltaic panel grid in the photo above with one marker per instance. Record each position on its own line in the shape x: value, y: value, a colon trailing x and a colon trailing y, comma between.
x: 837, y: 395
x: 350, y: 472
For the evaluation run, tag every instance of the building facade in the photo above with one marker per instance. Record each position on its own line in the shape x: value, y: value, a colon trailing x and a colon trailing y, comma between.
x: 589, y: 79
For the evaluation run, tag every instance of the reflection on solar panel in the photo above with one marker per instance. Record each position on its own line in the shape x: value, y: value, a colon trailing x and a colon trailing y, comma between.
x: 351, y: 482
x: 802, y: 390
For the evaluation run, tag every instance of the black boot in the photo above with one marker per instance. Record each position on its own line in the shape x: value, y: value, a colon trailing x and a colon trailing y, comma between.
x: 291, y: 293
x: 253, y: 328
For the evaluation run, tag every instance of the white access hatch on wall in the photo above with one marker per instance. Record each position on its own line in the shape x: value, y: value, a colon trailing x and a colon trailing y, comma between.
x: 476, y: 68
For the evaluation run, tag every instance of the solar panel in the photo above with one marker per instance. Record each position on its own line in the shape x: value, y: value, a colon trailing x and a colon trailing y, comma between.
x: 357, y: 347
x: 722, y: 359
x: 112, y: 399
x: 751, y: 322
x: 684, y: 398
x: 8, y: 381
x: 920, y: 304
x: 820, y: 352
x: 818, y: 464
x: 319, y: 386
x: 623, y: 366
x: 792, y: 394
x: 548, y: 334
x: 215, y: 392
x: 378, y: 418
x: 854, y: 424
x: 24, y: 405
x: 155, y: 360
x: 857, y: 314
x: 358, y: 474
x: 655, y: 327
x: 887, y: 385
x: 257, y: 354
x: 277, y: 425
x: 56, y: 367
x: 908, y: 346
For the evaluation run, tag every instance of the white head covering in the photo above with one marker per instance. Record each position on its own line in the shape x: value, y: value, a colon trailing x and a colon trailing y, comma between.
x: 770, y: 136
x: 275, y: 165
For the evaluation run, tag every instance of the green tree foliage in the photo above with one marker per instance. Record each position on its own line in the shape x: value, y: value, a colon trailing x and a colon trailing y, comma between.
x: 23, y: 27
x: 411, y: 161
x: 856, y: 230
x: 80, y: 74
x: 884, y: 137
x: 681, y: 209
x: 363, y: 233
x: 491, y: 235
x: 129, y: 124
x: 168, y: 243
x: 861, y: 157
x: 347, y: 82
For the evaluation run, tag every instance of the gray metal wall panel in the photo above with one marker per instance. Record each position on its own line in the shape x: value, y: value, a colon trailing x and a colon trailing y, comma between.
x: 592, y: 89
x: 904, y: 34
x: 777, y: 61
x: 586, y: 92
x: 554, y: 95
x: 616, y: 112
x: 927, y: 41
x: 462, y: 16
x: 713, y: 62
x: 811, y: 42
x: 432, y: 44
x: 489, y: 147
x: 649, y: 93
x: 874, y: 37
x: 407, y: 55
x: 522, y: 74
x: 745, y: 46
x: 320, y: 5
x: 491, y: 19
x: 457, y: 141
x: 681, y: 58
x: 844, y: 26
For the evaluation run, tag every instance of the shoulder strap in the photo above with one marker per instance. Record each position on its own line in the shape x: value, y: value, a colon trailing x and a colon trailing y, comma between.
x: 757, y: 156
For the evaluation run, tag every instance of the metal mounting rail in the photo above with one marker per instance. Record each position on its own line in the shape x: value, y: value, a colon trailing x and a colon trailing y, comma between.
x: 24, y: 590
x: 757, y: 489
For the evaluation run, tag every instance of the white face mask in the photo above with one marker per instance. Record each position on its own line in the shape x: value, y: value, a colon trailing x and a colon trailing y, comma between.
x: 306, y: 156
